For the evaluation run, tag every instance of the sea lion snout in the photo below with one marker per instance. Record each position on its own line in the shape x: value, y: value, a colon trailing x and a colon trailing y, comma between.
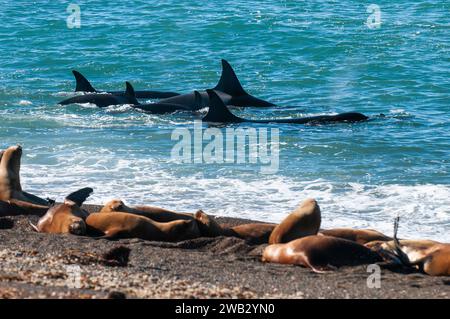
x: 78, y: 227
x: 17, y: 148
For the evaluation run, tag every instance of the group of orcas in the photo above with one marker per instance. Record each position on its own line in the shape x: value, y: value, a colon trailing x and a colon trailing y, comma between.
x: 297, y: 240
x: 228, y: 92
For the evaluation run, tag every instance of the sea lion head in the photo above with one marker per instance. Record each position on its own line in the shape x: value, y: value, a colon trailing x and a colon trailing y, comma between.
x: 207, y: 225
x: 303, y: 221
x: 384, y: 249
x: 115, y: 205
x: 10, y: 172
x: 10, y: 158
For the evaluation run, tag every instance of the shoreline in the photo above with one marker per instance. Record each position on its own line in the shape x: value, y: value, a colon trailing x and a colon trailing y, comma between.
x: 36, y: 265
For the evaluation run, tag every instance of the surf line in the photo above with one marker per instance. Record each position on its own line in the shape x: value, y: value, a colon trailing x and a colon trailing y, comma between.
x: 227, y: 146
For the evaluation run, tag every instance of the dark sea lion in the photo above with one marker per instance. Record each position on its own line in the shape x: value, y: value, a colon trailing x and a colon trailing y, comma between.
x: 13, y: 200
x: 154, y: 213
x: 66, y: 218
x: 429, y: 256
x: 320, y: 253
x: 254, y: 233
x: 303, y: 221
x: 360, y: 236
x: 124, y: 225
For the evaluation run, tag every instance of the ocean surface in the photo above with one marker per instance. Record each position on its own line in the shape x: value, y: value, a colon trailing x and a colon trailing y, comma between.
x: 308, y: 57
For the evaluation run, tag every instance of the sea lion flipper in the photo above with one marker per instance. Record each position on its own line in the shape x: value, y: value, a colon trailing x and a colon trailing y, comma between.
x: 30, y: 207
x: 35, y: 228
x: 322, y: 269
x: 397, y: 246
x: 35, y: 199
x: 79, y: 197
x: 83, y: 85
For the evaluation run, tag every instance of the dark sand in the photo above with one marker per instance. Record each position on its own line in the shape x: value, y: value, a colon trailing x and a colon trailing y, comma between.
x: 46, y: 266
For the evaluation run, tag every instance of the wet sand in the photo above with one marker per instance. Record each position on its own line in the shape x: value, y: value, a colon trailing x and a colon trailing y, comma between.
x: 37, y: 265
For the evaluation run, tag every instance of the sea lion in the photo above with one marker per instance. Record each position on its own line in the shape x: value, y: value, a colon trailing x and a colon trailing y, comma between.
x: 13, y: 200
x: 67, y: 217
x: 320, y: 253
x: 428, y: 256
x: 302, y: 222
x: 124, y: 225
x: 154, y: 213
x: 254, y: 233
x: 360, y: 236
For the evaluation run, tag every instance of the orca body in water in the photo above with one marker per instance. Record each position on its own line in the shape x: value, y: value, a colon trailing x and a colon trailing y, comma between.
x: 104, y: 99
x: 83, y: 85
x: 219, y: 113
x: 156, y: 108
x: 229, y: 89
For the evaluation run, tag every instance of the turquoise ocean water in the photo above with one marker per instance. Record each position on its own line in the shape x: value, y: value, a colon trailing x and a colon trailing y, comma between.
x: 310, y: 57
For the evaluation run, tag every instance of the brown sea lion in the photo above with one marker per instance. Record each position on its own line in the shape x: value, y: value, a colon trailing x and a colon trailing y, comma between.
x: 428, y: 256
x: 155, y: 213
x: 125, y: 225
x: 254, y: 233
x: 302, y: 222
x: 67, y: 217
x: 13, y: 200
x: 360, y: 236
x: 320, y: 253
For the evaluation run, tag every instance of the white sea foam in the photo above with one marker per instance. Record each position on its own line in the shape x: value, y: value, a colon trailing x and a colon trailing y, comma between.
x: 424, y: 209
x: 25, y: 103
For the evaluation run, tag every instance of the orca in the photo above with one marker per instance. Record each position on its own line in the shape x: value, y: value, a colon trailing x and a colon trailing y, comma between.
x: 219, y: 113
x: 156, y: 108
x: 83, y: 85
x: 229, y: 89
x: 104, y: 99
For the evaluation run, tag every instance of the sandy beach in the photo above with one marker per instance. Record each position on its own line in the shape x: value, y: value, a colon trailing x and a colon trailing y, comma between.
x: 65, y: 266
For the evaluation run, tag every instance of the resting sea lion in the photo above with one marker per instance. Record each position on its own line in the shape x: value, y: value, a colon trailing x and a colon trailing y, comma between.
x: 124, y: 225
x: 431, y: 257
x: 320, y: 253
x: 255, y: 233
x: 155, y: 213
x: 13, y: 200
x: 67, y: 217
x: 302, y: 222
x: 360, y: 236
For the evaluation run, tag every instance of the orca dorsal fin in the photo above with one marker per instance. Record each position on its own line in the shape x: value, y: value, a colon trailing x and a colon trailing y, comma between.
x: 130, y: 94
x: 83, y: 85
x: 218, y: 112
x: 229, y: 83
x: 78, y: 197
x: 198, y: 100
